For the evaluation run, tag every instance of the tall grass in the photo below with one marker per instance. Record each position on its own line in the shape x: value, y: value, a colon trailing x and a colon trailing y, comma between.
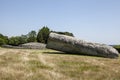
x: 23, y: 64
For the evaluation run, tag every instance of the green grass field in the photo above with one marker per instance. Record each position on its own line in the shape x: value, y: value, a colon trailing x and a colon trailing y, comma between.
x: 24, y: 64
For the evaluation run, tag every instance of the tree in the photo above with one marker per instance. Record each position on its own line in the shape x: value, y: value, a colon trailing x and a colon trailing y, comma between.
x: 2, y: 42
x: 31, y: 36
x: 23, y: 39
x: 43, y: 34
x: 5, y: 38
x: 14, y: 41
x: 17, y: 40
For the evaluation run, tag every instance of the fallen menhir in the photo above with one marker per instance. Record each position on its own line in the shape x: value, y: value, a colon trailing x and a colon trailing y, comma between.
x: 73, y: 45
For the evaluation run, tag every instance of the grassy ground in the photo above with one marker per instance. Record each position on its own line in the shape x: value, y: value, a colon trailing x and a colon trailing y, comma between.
x: 23, y: 64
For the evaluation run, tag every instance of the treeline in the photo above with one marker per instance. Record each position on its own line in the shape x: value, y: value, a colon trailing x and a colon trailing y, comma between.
x: 33, y: 36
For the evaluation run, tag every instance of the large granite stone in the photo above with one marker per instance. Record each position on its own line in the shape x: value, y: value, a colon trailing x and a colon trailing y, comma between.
x: 70, y: 44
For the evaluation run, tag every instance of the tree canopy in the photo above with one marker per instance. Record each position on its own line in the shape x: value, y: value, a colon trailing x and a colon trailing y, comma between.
x: 3, y: 39
x: 43, y: 34
x: 32, y: 36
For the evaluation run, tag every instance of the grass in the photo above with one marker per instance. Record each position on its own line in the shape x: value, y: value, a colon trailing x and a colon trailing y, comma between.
x: 24, y: 64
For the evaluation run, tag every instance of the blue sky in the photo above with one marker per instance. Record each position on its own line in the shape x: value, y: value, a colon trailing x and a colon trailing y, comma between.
x: 91, y: 20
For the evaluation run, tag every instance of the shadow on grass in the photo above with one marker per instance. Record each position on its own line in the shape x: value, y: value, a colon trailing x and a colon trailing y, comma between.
x: 78, y: 54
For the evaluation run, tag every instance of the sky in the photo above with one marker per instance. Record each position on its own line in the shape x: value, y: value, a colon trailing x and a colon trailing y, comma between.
x: 91, y: 20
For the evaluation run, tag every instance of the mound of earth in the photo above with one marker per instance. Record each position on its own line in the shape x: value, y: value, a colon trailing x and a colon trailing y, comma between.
x: 33, y: 45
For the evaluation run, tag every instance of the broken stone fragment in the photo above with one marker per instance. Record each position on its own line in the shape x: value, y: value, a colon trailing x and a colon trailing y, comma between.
x: 70, y: 44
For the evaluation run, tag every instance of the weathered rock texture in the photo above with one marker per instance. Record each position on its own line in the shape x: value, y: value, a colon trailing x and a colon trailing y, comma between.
x: 72, y: 45
x: 33, y: 45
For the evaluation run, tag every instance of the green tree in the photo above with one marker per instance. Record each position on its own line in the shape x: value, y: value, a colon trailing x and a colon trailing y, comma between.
x: 32, y: 36
x: 2, y: 42
x: 17, y: 40
x: 23, y: 39
x: 43, y: 34
x: 14, y: 41
x: 5, y: 38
